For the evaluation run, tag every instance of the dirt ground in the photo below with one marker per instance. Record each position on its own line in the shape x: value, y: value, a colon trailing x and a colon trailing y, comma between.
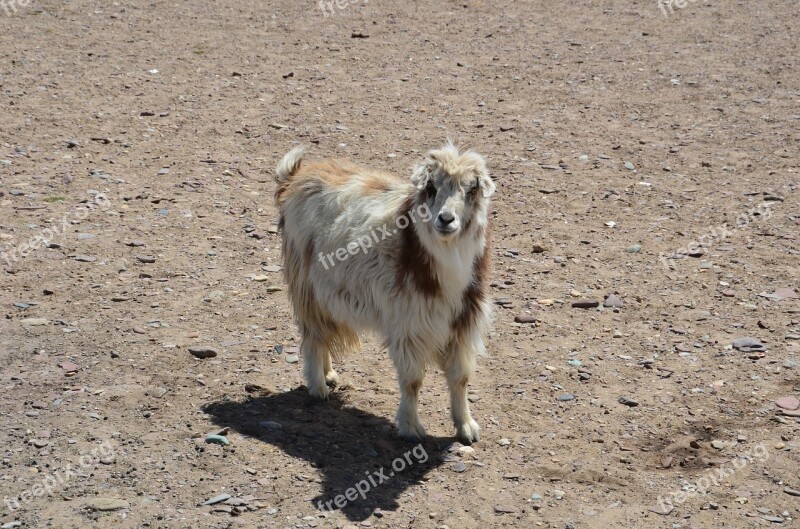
x: 645, y: 152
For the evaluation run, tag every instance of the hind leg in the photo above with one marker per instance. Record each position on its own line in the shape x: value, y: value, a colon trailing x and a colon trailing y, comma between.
x: 331, y: 376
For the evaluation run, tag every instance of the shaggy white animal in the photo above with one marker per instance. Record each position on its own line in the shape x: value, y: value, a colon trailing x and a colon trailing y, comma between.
x: 365, y: 250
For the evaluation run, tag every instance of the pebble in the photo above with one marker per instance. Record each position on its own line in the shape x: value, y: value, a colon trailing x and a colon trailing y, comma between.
x: 107, y: 504
x: 629, y: 166
x: 613, y: 302
x: 203, y: 351
x: 748, y: 345
x: 85, y: 258
x: 146, y: 259
x: 271, y: 268
x: 504, y: 441
x: 270, y: 425
x: 292, y: 359
x: 658, y: 509
x: 524, y: 318
x: 68, y: 367
x: 217, y: 439
x: 559, y: 494
x: 217, y: 499
x: 634, y: 248
x: 788, y: 403
x: 729, y: 293
x: 459, y: 467
x: 585, y: 304
x: 628, y: 402
x: 786, y: 293
x: 566, y: 397
x: 504, y: 509
x: 34, y: 322
x: 791, y: 492
x: 260, y: 278
x: 771, y: 518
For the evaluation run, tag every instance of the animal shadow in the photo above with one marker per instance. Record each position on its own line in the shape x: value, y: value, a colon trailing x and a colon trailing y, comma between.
x: 351, y: 448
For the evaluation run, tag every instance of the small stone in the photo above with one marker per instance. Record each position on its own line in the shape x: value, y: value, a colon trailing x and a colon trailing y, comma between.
x: 788, y: 403
x: 666, y: 462
x: 559, y: 494
x: 585, y: 304
x: 504, y: 441
x: 748, y: 345
x: 217, y: 499
x: 504, y: 509
x: 459, y: 467
x: 786, y: 293
x: 107, y: 504
x: 135, y: 244
x: 203, y: 351
x: 39, y: 443
x: 613, y: 302
x: 146, y: 259
x: 634, y: 248
x: 668, y: 508
x: 271, y: 268
x: 292, y: 359
x: 629, y: 166
x: 791, y: 492
x: 34, y: 322
x: 270, y: 425
x: 628, y: 402
x: 68, y: 367
x: 217, y: 439
x: 566, y: 397
x: 729, y: 293
x: 260, y: 278
x: 773, y: 519
x: 85, y: 258
x: 524, y: 318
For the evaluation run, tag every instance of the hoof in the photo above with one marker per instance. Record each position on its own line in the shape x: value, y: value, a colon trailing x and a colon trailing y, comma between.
x: 332, y: 379
x: 468, y: 433
x: 412, y: 432
x: 320, y: 393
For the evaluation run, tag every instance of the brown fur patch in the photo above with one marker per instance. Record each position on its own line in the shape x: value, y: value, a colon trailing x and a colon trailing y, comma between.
x: 475, y: 294
x: 415, y: 264
x: 374, y: 184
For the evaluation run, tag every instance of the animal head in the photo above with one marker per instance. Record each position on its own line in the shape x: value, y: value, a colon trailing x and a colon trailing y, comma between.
x: 454, y: 186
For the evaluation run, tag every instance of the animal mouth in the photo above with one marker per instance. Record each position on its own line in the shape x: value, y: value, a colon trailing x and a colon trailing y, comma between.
x: 446, y: 230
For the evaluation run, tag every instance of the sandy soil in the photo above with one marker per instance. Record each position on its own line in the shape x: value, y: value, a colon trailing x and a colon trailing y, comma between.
x: 139, y: 139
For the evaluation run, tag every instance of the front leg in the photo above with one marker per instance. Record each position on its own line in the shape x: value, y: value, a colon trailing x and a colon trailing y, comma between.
x: 410, y: 375
x: 460, y: 366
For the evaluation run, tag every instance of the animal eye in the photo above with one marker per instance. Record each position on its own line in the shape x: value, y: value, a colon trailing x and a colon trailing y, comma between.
x: 430, y: 188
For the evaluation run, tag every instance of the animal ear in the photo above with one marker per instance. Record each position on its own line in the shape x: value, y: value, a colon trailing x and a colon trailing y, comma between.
x: 485, y: 182
x: 421, y: 175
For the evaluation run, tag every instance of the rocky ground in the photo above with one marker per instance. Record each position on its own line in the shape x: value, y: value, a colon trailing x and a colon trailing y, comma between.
x: 646, y: 219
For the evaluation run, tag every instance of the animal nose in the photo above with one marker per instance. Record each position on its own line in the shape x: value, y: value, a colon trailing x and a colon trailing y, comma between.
x: 446, y: 218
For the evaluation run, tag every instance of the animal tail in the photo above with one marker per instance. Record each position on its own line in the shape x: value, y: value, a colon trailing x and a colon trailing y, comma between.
x: 289, y: 164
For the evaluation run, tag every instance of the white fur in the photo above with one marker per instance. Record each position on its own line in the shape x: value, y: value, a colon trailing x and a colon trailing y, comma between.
x: 329, y: 205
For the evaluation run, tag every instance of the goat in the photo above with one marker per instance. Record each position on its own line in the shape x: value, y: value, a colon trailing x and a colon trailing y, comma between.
x: 366, y: 250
